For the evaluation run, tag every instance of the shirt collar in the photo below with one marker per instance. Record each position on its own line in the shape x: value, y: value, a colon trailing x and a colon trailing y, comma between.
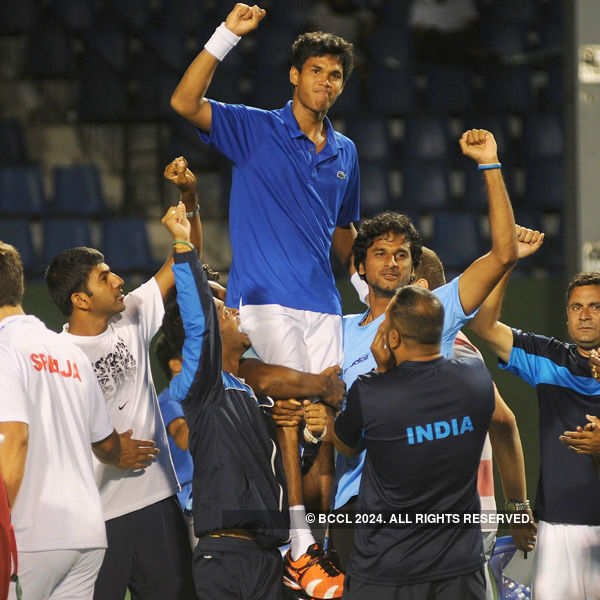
x: 294, y: 130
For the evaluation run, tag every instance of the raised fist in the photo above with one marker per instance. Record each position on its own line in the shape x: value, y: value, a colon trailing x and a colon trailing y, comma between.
x: 243, y: 18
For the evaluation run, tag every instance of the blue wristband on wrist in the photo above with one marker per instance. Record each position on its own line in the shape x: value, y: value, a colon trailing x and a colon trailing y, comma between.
x: 489, y: 166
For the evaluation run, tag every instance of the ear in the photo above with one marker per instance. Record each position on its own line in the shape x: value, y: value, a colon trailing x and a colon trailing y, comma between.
x: 80, y: 300
x: 422, y: 282
x: 394, y: 339
x: 175, y: 365
x: 294, y: 76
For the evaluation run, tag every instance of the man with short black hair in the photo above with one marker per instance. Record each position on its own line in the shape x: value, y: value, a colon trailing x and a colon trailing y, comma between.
x: 294, y: 196
x: 115, y: 332
x: 568, y: 493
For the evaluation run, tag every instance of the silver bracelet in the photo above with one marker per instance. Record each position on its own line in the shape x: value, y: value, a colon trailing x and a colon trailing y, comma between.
x: 190, y: 214
x: 518, y: 506
x: 312, y: 439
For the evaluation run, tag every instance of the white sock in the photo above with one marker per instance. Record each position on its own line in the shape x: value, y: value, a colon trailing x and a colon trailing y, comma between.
x: 300, y: 533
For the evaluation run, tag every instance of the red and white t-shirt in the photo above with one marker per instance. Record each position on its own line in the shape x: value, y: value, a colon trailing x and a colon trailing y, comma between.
x: 48, y: 383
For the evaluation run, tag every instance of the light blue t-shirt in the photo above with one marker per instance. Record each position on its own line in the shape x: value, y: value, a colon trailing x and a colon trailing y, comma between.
x: 358, y: 360
x: 286, y: 201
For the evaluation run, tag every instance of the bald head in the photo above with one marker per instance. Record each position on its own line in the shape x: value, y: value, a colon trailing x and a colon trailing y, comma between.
x: 418, y: 315
x: 431, y: 269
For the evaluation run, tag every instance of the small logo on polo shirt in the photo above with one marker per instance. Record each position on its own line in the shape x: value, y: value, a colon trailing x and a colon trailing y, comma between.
x: 341, y: 175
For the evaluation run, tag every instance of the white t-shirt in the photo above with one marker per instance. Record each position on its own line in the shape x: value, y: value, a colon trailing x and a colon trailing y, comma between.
x: 120, y: 358
x: 47, y: 383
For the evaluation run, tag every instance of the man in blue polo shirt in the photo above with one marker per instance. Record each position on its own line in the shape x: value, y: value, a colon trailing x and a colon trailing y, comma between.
x: 568, y: 494
x: 294, y: 196
x: 387, y: 251
x: 423, y: 420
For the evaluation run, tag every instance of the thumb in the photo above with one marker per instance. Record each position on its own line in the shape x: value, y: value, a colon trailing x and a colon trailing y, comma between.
x: 128, y: 433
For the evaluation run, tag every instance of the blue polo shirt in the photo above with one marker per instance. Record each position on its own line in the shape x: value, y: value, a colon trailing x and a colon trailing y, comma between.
x: 358, y: 359
x: 286, y: 201
x: 568, y: 488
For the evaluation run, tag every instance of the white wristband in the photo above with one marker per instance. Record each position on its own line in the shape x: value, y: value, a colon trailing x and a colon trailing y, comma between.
x: 309, y: 437
x: 221, y: 42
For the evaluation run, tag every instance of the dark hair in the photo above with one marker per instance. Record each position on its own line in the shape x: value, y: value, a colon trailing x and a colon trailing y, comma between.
x: 370, y: 229
x: 581, y: 279
x: 431, y: 269
x: 417, y: 314
x: 12, y: 286
x: 172, y: 331
x: 68, y: 273
x: 319, y: 43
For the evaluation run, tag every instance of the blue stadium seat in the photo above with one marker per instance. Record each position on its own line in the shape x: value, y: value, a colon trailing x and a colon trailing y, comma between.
x: 456, y: 238
x: 60, y: 234
x: 448, y: 90
x: 134, y: 13
x: 545, y: 186
x: 21, y: 191
x: 390, y: 91
x: 508, y: 11
x: 475, y: 195
x: 188, y: 15
x: 506, y: 41
x: 169, y: 45
x: 508, y: 89
x: 77, y: 192
x: 50, y: 53
x: 390, y: 46
x: 76, y: 14
x: 18, y: 233
x: 272, y: 88
x: 554, y: 92
x: 126, y: 245
x: 274, y: 46
x: 103, y: 96
x: 426, y: 138
x: 374, y: 188
x: 370, y: 135
x: 225, y: 85
x: 12, y: 142
x: 426, y: 185
x: 542, y: 136
x: 19, y: 17
x: 111, y: 44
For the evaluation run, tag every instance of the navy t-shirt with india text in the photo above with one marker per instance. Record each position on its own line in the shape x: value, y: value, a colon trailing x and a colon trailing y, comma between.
x: 424, y: 427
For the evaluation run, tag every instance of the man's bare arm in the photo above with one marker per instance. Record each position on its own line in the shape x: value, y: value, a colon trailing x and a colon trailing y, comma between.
x: 482, y: 275
x: 282, y: 382
x: 486, y: 323
x: 188, y: 98
x: 343, y: 238
x: 178, y: 173
x: 508, y: 454
x: 108, y: 450
x: 179, y: 431
x: 13, y: 455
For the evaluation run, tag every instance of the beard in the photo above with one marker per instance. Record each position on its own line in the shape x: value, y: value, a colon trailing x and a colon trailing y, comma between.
x: 381, y: 292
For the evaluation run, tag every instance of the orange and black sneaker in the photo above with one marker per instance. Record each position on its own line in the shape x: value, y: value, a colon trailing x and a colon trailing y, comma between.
x: 314, y: 574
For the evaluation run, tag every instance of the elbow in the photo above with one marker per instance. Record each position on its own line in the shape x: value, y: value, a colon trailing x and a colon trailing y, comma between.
x: 182, y: 105
x: 178, y: 105
x: 507, y: 256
